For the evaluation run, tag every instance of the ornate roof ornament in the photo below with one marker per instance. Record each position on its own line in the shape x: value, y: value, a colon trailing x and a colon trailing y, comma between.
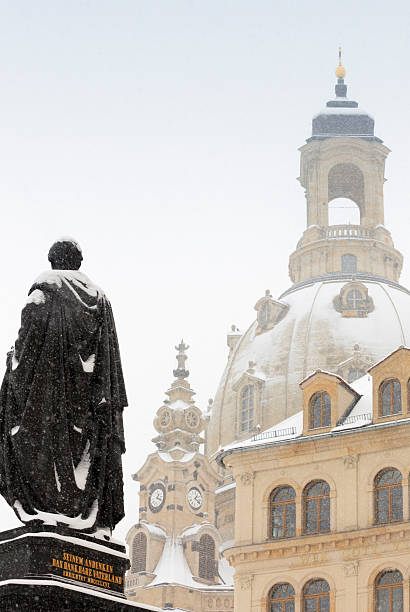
x: 181, y: 372
x: 341, y: 88
x: 340, y: 70
x: 179, y: 422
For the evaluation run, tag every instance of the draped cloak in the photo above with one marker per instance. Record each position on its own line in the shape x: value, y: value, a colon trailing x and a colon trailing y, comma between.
x: 61, y: 403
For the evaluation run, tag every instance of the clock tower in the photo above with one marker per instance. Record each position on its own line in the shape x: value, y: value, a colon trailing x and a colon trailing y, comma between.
x: 175, y: 554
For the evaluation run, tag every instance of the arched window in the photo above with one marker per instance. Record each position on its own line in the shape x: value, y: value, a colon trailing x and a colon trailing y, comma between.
x: 316, y: 596
x: 349, y: 263
x: 388, y: 496
x: 319, y: 410
x: 343, y: 211
x: 390, y: 397
x: 282, y: 598
x: 389, y: 592
x: 345, y: 194
x: 265, y: 313
x: 316, y: 507
x: 408, y: 395
x: 354, y: 299
x: 354, y: 373
x: 283, y: 513
x: 247, y: 408
x: 139, y: 553
x: 207, y: 558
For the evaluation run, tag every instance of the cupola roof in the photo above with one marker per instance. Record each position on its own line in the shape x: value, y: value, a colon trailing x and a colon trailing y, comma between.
x: 342, y: 116
x: 179, y: 422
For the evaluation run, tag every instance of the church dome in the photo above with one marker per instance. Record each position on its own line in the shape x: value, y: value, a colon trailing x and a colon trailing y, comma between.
x: 346, y: 308
x: 313, y: 334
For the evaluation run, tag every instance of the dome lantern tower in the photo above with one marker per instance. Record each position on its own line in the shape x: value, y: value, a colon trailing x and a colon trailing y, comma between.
x: 345, y: 290
x: 342, y: 169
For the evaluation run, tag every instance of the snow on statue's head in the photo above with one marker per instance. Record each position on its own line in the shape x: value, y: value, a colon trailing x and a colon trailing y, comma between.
x: 65, y: 254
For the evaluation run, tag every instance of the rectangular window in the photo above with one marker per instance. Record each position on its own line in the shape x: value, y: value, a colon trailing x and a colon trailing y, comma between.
x: 291, y: 520
x: 324, y: 604
x: 396, y: 399
x: 326, y: 415
x: 397, y: 597
x: 277, y: 522
x: 383, y: 601
x: 316, y: 419
x: 324, y: 524
x: 311, y: 517
x: 382, y: 502
x: 397, y: 503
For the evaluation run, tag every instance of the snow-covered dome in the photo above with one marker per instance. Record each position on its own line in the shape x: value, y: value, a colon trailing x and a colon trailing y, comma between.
x: 346, y: 309
x: 313, y: 333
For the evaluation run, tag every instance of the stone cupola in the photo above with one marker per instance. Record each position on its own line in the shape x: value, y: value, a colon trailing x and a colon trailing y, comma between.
x: 342, y: 170
x: 179, y: 422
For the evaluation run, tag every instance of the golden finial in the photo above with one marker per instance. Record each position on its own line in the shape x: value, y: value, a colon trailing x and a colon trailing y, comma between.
x: 340, y: 70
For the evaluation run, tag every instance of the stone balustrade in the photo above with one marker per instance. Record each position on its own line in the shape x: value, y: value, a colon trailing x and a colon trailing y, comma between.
x: 349, y: 231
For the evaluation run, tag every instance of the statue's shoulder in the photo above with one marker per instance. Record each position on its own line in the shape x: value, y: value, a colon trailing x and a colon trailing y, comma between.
x: 78, y: 284
x: 52, y: 279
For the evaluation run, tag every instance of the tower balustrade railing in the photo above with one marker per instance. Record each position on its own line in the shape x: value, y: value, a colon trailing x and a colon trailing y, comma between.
x: 131, y: 581
x: 349, y: 231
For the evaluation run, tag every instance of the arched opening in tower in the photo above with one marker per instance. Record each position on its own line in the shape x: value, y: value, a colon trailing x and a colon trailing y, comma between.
x: 345, y: 194
x: 343, y: 211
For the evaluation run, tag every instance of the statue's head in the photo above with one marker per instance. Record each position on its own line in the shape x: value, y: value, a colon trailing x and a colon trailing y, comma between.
x: 65, y: 254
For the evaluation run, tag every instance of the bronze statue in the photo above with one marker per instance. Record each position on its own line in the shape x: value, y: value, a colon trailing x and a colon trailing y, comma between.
x: 61, y: 403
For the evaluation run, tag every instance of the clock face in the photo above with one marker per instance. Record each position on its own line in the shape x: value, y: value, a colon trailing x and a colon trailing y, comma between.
x: 195, y: 498
x: 157, y: 498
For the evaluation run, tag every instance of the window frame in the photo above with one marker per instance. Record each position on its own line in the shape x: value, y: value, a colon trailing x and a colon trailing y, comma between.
x: 389, y: 381
x: 251, y: 398
x: 322, y: 395
x: 358, y: 299
x: 315, y: 596
x: 346, y: 260
x: 408, y: 395
x: 389, y: 487
x: 206, y: 560
x: 282, y: 600
x: 284, y: 504
x: 265, y: 313
x: 354, y: 373
x: 136, y: 553
x: 390, y: 586
x: 317, y: 498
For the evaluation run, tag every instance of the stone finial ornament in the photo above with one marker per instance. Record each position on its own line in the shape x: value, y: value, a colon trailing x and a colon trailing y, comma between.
x: 179, y: 422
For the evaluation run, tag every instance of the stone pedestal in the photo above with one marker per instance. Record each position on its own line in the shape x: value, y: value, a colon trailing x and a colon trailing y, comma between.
x: 47, y: 568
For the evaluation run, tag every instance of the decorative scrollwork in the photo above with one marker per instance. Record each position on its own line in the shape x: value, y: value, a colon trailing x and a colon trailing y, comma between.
x: 246, y: 478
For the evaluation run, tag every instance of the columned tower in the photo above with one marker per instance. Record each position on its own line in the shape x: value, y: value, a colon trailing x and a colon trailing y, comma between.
x: 343, y: 163
x: 175, y: 558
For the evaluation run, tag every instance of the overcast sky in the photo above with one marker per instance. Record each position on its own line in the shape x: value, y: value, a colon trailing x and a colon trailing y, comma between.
x: 163, y: 135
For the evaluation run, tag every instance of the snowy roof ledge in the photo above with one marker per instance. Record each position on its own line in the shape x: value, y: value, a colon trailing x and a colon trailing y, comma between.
x: 341, y: 380
x: 173, y: 568
x: 153, y: 528
x: 290, y: 428
x: 400, y: 348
